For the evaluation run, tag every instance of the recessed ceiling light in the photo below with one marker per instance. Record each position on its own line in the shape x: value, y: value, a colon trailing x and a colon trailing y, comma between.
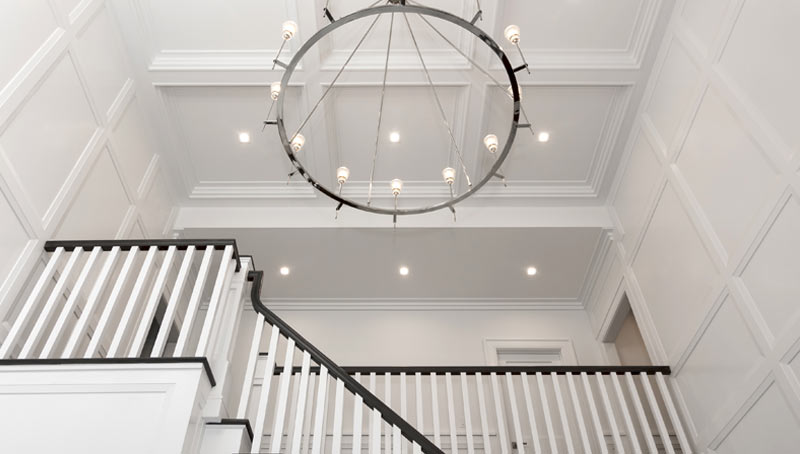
x: 404, y: 271
x: 285, y: 271
x: 531, y: 271
x: 544, y: 136
x: 244, y: 137
x: 394, y: 137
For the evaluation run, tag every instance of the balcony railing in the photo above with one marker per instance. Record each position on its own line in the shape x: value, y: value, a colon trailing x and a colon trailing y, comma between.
x: 171, y: 300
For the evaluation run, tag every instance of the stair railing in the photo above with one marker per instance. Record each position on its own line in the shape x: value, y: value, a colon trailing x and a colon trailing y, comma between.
x: 125, y: 300
x: 400, y: 428
x: 502, y: 409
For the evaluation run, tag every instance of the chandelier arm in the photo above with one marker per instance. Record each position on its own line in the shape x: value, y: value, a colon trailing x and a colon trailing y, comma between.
x: 280, y: 49
x: 438, y: 101
x: 333, y: 82
x: 476, y: 65
x: 380, y: 111
x: 266, y: 119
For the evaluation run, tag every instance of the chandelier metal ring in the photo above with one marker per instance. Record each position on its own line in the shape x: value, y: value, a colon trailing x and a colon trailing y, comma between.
x: 399, y: 8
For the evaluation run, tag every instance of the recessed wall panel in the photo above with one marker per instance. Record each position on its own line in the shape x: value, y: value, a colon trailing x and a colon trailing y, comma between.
x: 674, y: 272
x: 47, y: 136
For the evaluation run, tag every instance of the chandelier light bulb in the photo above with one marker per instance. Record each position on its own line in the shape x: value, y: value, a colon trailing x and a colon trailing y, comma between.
x: 397, y: 186
x: 244, y: 137
x: 298, y: 142
x: 491, y: 143
x: 543, y: 137
x: 342, y: 174
x: 275, y: 90
x: 512, y: 34
x: 449, y: 175
x: 288, y: 29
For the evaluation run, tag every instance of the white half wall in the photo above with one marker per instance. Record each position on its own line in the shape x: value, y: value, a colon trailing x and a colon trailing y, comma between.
x: 78, y: 159
x: 97, y: 409
x: 707, y: 212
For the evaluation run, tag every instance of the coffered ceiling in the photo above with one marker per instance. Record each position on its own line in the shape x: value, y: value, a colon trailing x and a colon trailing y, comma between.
x: 205, y: 69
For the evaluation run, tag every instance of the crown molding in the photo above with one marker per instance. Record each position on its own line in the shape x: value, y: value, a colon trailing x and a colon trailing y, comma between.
x: 406, y: 59
x: 216, y: 60
x: 252, y: 190
x: 421, y: 304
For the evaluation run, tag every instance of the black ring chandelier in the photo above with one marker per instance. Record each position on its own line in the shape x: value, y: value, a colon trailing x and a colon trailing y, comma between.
x: 294, y: 141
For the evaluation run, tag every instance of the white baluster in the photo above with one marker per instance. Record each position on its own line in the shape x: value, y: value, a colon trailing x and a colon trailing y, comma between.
x: 526, y: 390
x: 306, y: 448
x: 609, y: 413
x: 338, y: 413
x: 498, y: 408
x: 69, y: 306
x: 49, y: 306
x: 467, y: 415
x: 403, y: 405
x: 133, y: 302
x: 266, y: 383
x: 548, y: 422
x: 415, y: 448
x: 643, y: 423
x: 563, y: 413
x: 626, y: 415
x: 79, y: 330
x: 318, y: 444
x: 194, y: 302
x: 374, y: 422
x: 152, y: 304
x: 487, y: 445
x: 358, y: 411
x: 437, y: 435
x: 172, y: 304
x: 300, y: 406
x: 666, y: 396
x: 111, y: 303
x: 387, y: 399
x: 451, y: 413
x: 283, y: 396
x: 576, y: 405
x: 291, y: 408
x: 418, y: 395
x: 598, y: 428
x: 250, y: 371
x: 27, y: 308
x: 512, y: 399
x: 213, y: 305
x: 396, y: 440
x: 375, y: 432
x: 656, y: 412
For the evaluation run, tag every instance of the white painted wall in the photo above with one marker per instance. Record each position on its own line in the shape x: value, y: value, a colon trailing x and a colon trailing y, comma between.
x: 707, y: 208
x: 435, y: 338
x: 77, y: 154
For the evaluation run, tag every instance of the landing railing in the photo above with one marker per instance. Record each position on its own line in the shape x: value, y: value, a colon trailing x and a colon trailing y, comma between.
x: 122, y: 300
x: 448, y: 409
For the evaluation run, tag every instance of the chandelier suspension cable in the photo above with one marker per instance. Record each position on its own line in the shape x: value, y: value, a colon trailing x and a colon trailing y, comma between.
x: 438, y: 102
x: 333, y: 82
x: 476, y: 65
x: 380, y: 111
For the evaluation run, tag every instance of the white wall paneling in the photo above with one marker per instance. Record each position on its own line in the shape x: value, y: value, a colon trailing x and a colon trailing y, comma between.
x: 64, y: 170
x: 706, y: 251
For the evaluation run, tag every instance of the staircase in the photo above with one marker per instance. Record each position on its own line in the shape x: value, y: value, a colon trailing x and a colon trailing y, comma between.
x: 184, y: 301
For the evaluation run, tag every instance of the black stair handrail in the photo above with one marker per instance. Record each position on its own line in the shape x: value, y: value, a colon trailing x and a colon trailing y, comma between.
x: 486, y: 370
x: 126, y: 245
x: 370, y: 400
